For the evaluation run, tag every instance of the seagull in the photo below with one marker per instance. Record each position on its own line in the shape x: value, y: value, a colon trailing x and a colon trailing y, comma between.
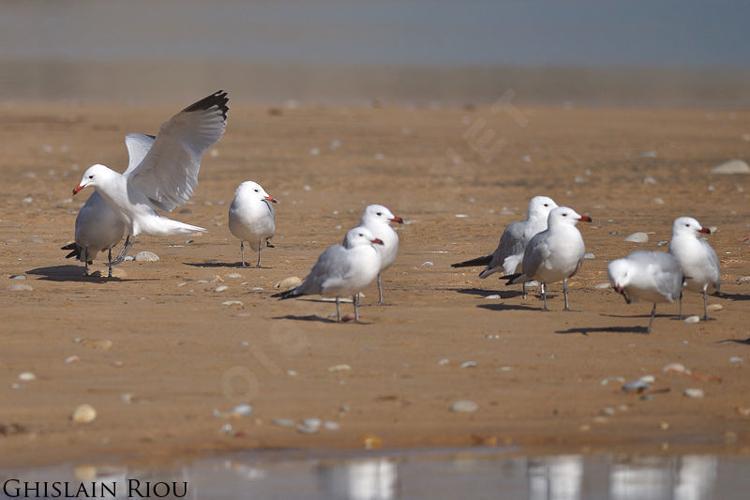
x: 167, y: 173
x: 649, y: 276
x: 698, y: 260
x: 509, y: 252
x: 252, y: 218
x: 377, y: 219
x: 98, y: 228
x: 342, y: 270
x: 555, y: 254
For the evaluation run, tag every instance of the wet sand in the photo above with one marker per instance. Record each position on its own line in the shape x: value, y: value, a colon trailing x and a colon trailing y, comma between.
x: 181, y: 354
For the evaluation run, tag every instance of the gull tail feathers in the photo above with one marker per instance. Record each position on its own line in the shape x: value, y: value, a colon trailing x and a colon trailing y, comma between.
x: 289, y: 294
x: 512, y: 279
x: 162, y: 226
x: 479, y: 261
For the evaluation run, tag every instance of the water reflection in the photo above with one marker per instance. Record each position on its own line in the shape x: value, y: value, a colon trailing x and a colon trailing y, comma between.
x: 431, y: 474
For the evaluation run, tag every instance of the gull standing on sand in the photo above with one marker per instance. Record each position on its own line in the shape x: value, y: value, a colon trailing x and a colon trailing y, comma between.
x: 98, y: 228
x: 342, y: 270
x: 377, y: 219
x: 252, y: 218
x: 699, y: 262
x: 167, y: 174
x: 509, y: 252
x: 649, y: 276
x: 555, y: 254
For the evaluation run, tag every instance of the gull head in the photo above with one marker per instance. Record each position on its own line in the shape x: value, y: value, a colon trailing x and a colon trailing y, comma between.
x: 540, y: 207
x: 619, y: 273
x: 94, y: 176
x: 689, y: 226
x: 252, y: 189
x: 360, y: 236
x: 565, y: 216
x: 379, y: 213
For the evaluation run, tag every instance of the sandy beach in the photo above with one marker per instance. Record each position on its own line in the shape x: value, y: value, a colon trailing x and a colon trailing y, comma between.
x: 162, y: 359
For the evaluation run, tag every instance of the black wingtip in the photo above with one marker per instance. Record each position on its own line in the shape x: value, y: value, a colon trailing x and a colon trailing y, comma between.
x: 220, y: 99
x: 510, y: 278
x: 479, y: 261
x: 288, y: 294
x: 76, y: 250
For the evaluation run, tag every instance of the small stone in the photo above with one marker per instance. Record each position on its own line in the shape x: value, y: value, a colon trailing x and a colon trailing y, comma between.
x: 17, y: 277
x: 462, y: 216
x: 494, y: 296
x: 469, y: 364
x: 221, y: 288
x: 126, y: 397
x: 20, y: 287
x: 731, y: 167
x: 715, y: 307
x: 649, y: 154
x: 637, y: 386
x: 464, y: 406
x: 602, y: 286
x: 26, y: 377
x: 330, y: 425
x: 339, y: 368
x: 607, y: 411
x: 84, y: 414
x: 664, y: 426
x: 736, y: 360
x: 589, y: 256
x: 288, y: 283
x: 658, y: 201
x: 226, y: 428
x: 72, y: 359
x: 234, y: 276
x: 742, y: 411
x: 639, y: 237
x: 97, y: 344
x: 692, y: 319
x: 694, y: 393
x: 743, y: 279
x: 146, y: 256
x: 675, y: 368
x: 372, y: 442
x: 443, y: 362
x: 243, y: 410
x: 606, y: 381
x: 230, y: 303
x: 601, y: 420
x: 309, y: 426
x: 128, y: 258
x: 649, y: 180
x: 427, y: 264
x: 283, y: 422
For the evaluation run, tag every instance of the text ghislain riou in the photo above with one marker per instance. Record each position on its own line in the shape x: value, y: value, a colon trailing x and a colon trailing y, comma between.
x: 128, y: 488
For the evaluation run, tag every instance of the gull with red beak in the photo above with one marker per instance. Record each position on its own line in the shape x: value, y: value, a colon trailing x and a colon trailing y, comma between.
x: 166, y: 173
x: 378, y: 219
x: 252, y: 218
x: 343, y: 270
x: 648, y: 276
x: 555, y: 254
x: 699, y: 262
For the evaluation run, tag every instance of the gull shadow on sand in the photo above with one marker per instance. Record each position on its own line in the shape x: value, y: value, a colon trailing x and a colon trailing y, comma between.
x: 508, y: 307
x: 735, y: 341
x: 319, y: 319
x: 69, y: 273
x: 641, y: 330
x: 504, y: 294
x: 734, y: 296
x: 214, y: 264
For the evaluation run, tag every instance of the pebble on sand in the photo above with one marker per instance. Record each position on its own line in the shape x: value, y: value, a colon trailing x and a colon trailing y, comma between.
x: 221, y: 288
x: 84, y: 414
x: 26, y: 377
x: 230, y: 303
x: 694, y: 393
x: 732, y: 167
x: 639, y: 237
x: 692, y: 319
x: 715, y: 307
x: 20, y: 287
x: 339, y: 368
x: 464, y: 406
x: 675, y: 368
x: 146, y: 256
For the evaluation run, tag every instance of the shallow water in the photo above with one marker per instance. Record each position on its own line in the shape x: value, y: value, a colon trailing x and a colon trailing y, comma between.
x: 430, y: 474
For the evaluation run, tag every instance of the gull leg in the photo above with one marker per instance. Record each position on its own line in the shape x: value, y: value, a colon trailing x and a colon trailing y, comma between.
x: 124, y: 251
x: 650, y: 321
x: 705, y: 303
x: 338, y: 311
x: 85, y: 262
x: 355, y: 301
x: 543, y: 288
x: 679, y: 313
x: 524, y: 292
x: 242, y: 254
x: 566, y: 307
x: 109, y: 262
x: 380, y: 289
x: 260, y: 247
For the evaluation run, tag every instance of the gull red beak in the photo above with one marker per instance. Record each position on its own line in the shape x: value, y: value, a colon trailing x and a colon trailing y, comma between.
x: 77, y: 189
x: 271, y: 199
x: 397, y: 219
x: 704, y: 230
x: 377, y: 241
x: 585, y: 218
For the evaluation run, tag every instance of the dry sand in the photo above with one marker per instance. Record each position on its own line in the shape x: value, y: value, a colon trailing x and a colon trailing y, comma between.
x: 181, y: 354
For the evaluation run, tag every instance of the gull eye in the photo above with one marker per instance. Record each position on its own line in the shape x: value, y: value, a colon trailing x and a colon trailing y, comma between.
x: 687, y: 225
x: 546, y: 204
x: 565, y: 215
x: 91, y: 176
x: 379, y: 214
x: 257, y: 191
